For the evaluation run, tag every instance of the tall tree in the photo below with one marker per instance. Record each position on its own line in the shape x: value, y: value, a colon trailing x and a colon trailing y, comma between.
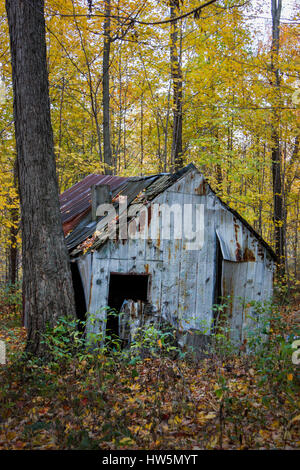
x: 47, y: 282
x: 107, y: 154
x: 13, y: 248
x: 176, y: 76
x: 275, y: 126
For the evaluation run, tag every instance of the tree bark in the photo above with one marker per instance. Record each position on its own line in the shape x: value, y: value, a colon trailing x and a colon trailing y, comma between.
x: 176, y: 76
x: 13, y: 248
x: 106, y: 97
x: 47, y: 283
x: 279, y: 226
x: 142, y: 134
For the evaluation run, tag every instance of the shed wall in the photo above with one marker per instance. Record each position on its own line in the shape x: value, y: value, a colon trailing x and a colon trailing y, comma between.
x: 183, y: 281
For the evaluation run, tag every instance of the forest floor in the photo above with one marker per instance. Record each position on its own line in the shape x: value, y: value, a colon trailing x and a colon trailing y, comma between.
x: 156, y: 403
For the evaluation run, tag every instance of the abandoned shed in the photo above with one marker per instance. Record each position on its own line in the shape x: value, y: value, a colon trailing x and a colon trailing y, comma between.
x: 162, y: 247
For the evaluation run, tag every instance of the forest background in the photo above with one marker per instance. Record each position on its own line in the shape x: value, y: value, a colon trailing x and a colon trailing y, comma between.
x: 133, y: 93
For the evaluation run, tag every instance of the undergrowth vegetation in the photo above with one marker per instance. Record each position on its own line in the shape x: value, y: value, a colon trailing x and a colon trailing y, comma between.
x: 153, y: 394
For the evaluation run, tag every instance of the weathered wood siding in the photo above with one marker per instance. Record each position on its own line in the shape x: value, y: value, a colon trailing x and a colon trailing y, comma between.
x: 182, y: 281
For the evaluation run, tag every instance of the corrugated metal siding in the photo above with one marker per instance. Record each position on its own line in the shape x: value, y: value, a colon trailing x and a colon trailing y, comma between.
x: 182, y: 281
x: 175, y: 279
x: 244, y: 282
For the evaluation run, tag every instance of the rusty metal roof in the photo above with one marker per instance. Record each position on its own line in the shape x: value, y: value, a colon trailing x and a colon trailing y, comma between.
x: 75, y: 202
x: 136, y: 189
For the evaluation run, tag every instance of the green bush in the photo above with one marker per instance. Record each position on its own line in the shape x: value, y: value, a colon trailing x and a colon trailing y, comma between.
x: 154, y: 340
x: 11, y: 296
x: 64, y: 341
x: 270, y: 346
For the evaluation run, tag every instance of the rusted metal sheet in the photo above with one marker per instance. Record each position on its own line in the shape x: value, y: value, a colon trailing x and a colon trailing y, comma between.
x: 237, y: 244
x: 86, y: 227
x: 76, y: 201
x: 70, y: 224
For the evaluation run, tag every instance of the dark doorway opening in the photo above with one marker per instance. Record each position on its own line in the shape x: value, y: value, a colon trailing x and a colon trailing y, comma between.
x: 80, y: 304
x: 218, y: 285
x: 121, y: 287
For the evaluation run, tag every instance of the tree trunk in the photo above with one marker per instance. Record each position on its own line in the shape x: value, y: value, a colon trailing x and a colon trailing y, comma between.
x: 276, y: 154
x: 13, y: 248
x: 142, y: 135
x: 176, y: 76
x: 47, y: 283
x: 106, y: 98
x: 296, y: 237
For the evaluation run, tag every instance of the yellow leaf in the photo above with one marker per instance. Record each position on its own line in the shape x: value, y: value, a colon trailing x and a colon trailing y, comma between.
x: 213, y: 441
x: 290, y: 377
x: 127, y: 441
x: 177, y: 420
x: 210, y: 416
x: 135, y: 386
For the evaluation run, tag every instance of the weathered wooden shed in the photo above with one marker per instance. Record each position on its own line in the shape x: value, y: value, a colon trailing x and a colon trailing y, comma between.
x: 163, y: 273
